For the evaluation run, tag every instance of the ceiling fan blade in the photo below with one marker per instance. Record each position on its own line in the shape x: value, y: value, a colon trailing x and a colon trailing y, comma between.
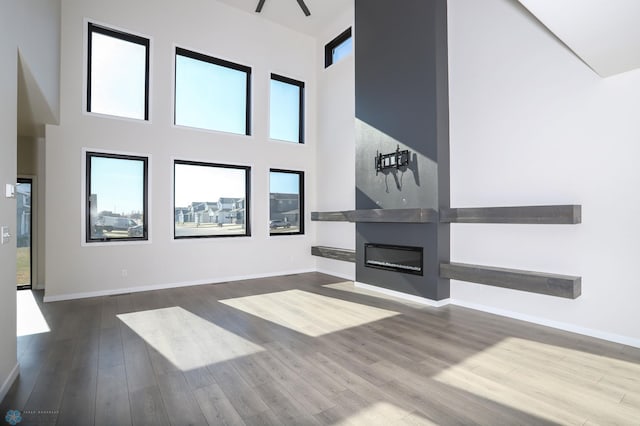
x: 304, y: 8
x: 260, y: 4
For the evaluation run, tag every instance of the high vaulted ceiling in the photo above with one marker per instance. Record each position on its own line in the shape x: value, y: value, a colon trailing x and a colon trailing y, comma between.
x: 605, y: 34
x: 289, y: 14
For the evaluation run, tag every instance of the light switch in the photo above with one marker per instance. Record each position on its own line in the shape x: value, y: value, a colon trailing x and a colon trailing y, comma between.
x: 10, y: 191
x: 4, y: 234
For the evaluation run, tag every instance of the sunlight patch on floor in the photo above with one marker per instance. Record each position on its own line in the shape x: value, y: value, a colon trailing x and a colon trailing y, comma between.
x: 383, y: 413
x: 187, y: 340
x: 550, y: 381
x: 29, y: 319
x: 308, y: 313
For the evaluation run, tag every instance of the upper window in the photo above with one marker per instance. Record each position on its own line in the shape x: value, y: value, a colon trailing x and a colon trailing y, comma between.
x: 338, y: 48
x: 286, y: 120
x: 116, y: 203
x: 210, y: 200
x: 211, y: 93
x: 286, y: 202
x: 117, y: 73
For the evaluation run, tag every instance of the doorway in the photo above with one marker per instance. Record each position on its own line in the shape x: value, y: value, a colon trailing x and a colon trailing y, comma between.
x: 24, y: 222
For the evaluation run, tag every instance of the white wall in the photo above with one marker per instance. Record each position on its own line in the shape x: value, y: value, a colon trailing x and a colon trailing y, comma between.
x: 336, y: 148
x: 211, y: 28
x: 23, y: 23
x: 531, y: 124
x: 8, y: 137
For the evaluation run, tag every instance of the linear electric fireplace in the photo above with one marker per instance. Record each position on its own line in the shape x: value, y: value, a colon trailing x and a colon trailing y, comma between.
x: 394, y: 258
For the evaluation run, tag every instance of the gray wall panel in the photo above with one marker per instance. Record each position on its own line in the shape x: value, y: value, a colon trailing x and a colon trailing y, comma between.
x: 402, y: 100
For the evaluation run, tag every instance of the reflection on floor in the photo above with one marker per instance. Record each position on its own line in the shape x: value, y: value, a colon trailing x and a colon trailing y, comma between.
x: 310, y: 349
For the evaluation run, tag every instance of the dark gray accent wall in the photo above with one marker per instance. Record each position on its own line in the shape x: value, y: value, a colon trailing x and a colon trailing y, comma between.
x: 402, y: 100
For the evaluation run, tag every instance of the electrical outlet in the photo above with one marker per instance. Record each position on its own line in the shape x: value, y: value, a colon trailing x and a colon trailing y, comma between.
x: 125, y: 272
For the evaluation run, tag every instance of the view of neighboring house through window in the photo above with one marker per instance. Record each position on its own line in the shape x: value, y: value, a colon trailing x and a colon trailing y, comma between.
x: 210, y: 200
x: 212, y: 93
x: 286, y: 202
x: 116, y: 208
x: 286, y: 119
x: 338, y: 48
x: 117, y: 73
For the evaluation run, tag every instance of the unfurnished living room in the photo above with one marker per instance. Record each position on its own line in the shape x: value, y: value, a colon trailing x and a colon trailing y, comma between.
x: 319, y: 212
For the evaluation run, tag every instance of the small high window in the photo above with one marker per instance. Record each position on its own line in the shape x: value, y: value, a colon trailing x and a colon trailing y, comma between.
x: 210, y: 200
x: 286, y: 202
x: 117, y: 73
x: 286, y: 119
x: 338, y: 48
x: 116, y: 203
x: 211, y: 93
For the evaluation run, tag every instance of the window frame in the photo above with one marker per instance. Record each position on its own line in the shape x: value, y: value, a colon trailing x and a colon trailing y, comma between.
x: 145, y: 194
x: 124, y: 36
x: 219, y: 62
x: 329, y: 47
x: 301, y: 111
x: 301, y: 201
x: 247, y: 200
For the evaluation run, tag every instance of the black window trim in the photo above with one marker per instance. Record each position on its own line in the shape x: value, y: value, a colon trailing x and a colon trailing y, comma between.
x: 247, y: 201
x: 300, y: 174
x: 145, y: 195
x: 328, y: 48
x: 220, y: 62
x: 126, y: 37
x: 300, y: 85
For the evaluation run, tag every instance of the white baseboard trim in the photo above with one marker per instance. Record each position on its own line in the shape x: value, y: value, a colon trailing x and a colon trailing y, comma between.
x: 6, y: 385
x: 405, y: 296
x: 85, y: 295
x: 611, y: 337
x: 347, y: 277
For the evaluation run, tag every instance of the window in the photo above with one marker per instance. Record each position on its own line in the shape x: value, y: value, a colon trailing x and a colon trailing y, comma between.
x: 116, y: 204
x: 338, y: 48
x: 210, y: 200
x: 286, y: 202
x: 286, y: 121
x: 117, y: 73
x: 211, y: 93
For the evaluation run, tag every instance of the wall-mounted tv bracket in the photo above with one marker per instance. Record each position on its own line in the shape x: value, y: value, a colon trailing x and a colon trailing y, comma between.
x: 395, y: 160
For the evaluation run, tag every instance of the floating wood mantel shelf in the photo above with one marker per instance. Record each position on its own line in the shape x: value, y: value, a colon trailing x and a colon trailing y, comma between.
x: 566, y: 286
x: 556, y: 214
x: 334, y: 253
x: 378, y: 215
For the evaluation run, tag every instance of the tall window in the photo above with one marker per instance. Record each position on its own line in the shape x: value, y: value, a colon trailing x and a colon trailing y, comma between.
x: 210, y: 200
x: 211, y: 93
x: 286, y: 202
x: 286, y: 109
x: 116, y: 203
x: 117, y: 73
x: 338, y: 48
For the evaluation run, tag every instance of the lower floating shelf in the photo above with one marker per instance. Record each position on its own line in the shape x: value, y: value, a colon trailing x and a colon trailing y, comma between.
x: 345, y: 255
x: 566, y: 286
